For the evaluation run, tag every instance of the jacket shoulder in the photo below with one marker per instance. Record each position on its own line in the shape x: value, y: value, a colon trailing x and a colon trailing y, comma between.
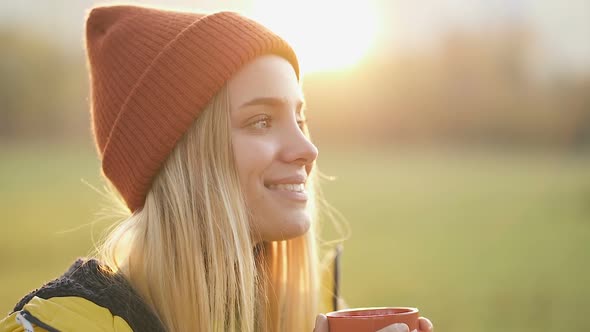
x: 93, y: 286
x: 69, y: 313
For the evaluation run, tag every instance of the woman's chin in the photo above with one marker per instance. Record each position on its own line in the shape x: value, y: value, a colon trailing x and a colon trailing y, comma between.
x: 287, y: 230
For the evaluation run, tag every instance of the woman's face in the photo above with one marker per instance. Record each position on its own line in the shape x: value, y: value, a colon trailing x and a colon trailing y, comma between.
x: 273, y: 155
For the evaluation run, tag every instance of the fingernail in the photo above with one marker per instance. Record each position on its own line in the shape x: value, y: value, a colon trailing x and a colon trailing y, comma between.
x: 428, y: 324
x: 401, y: 327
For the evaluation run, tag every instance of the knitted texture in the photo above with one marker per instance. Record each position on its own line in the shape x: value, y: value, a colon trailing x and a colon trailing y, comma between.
x: 152, y: 72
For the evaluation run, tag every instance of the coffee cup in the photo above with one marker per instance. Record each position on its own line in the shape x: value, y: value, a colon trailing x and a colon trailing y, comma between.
x: 371, y: 319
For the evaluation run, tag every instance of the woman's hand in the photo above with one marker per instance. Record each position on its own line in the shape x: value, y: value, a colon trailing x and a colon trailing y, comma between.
x: 424, y: 325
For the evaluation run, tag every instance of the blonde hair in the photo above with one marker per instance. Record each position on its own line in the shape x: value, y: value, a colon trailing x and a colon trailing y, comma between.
x: 189, y: 251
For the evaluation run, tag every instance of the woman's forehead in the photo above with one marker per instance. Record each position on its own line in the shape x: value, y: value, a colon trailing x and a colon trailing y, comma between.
x: 266, y: 79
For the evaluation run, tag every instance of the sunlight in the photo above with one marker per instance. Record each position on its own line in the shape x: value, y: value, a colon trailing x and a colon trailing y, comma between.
x: 327, y: 35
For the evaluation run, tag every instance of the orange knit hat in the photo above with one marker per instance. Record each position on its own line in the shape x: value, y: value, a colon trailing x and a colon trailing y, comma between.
x: 152, y: 72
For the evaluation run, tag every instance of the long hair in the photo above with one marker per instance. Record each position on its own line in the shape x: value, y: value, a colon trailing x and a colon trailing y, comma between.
x: 189, y: 252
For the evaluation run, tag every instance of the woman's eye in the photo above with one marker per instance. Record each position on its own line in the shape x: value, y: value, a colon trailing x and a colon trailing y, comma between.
x: 263, y: 123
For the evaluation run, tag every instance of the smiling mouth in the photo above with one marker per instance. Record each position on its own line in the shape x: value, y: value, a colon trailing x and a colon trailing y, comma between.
x: 294, y: 187
x: 290, y: 191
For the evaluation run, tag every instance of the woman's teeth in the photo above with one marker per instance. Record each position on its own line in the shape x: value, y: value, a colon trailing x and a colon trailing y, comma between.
x: 290, y: 187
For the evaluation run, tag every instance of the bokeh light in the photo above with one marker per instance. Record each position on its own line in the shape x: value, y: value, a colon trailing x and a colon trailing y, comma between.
x: 327, y: 35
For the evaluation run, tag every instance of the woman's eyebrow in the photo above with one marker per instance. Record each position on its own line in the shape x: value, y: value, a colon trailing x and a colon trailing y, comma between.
x: 274, y: 102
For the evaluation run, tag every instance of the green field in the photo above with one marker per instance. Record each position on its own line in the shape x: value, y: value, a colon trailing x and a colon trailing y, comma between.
x: 478, y: 241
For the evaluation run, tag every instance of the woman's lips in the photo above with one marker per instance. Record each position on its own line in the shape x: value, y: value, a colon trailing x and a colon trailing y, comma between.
x: 292, y: 191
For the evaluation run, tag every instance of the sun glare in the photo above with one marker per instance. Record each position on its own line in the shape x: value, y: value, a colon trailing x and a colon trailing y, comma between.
x: 327, y: 35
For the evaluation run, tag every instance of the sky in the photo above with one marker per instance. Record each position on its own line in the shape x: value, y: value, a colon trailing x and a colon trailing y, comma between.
x: 563, y: 27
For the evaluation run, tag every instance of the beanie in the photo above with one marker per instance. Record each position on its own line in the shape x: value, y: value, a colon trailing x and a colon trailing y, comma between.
x: 152, y: 71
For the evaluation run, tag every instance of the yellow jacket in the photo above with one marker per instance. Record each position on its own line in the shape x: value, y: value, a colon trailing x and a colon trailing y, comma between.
x: 89, y: 297
x: 69, y: 313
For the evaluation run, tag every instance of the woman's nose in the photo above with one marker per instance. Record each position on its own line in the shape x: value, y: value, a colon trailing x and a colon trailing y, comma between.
x: 299, y: 148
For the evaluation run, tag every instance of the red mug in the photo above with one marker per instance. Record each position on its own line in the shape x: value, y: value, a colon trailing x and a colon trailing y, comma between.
x: 371, y: 319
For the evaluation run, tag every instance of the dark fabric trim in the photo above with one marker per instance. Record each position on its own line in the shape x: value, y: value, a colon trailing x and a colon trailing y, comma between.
x: 336, y: 276
x: 94, y: 282
x: 34, y: 320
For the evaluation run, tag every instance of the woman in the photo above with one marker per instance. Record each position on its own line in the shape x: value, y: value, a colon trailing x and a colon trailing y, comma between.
x: 199, y: 123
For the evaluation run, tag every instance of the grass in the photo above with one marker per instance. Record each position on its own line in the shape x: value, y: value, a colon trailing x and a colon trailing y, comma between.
x: 478, y: 241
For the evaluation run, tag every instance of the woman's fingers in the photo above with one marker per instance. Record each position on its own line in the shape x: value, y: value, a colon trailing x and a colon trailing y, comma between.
x: 425, y: 325
x: 398, y: 327
x: 321, y: 324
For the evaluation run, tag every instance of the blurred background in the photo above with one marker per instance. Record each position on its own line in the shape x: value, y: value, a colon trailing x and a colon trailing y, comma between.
x: 458, y: 133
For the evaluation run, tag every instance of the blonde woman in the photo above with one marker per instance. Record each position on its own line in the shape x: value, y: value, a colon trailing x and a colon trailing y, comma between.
x: 199, y: 123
